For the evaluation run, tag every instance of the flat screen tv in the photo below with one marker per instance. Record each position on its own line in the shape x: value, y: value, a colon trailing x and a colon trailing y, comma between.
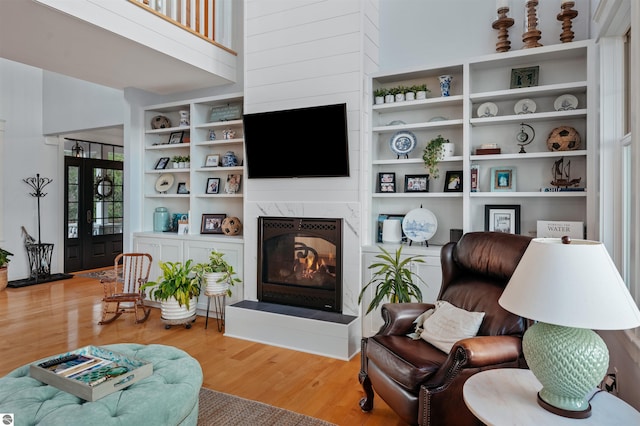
x: 297, y: 143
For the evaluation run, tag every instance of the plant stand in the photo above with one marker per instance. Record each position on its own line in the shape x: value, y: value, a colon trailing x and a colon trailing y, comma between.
x: 219, y: 302
x: 179, y: 321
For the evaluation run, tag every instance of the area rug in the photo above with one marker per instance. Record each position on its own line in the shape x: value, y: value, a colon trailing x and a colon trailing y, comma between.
x: 221, y: 409
x: 106, y: 274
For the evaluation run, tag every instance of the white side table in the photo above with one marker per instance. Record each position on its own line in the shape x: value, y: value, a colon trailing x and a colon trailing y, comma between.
x: 508, y: 396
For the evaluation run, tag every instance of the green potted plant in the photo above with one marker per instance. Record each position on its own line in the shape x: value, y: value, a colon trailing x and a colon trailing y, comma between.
x: 175, y: 289
x: 393, y: 278
x: 379, y: 95
x: 4, y: 268
x: 433, y: 154
x: 217, y: 274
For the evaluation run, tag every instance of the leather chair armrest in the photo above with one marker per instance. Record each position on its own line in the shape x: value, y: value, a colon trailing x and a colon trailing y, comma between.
x: 477, y: 352
x: 399, y: 317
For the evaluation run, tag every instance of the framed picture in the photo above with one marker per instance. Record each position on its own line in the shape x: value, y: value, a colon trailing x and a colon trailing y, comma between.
x: 212, y: 160
x: 386, y: 182
x: 416, y: 183
x: 182, y: 188
x: 176, y: 137
x: 212, y: 223
x: 524, y: 77
x: 162, y: 163
x: 232, y: 186
x: 213, y: 186
x: 453, y: 181
x: 503, y: 179
x: 502, y: 218
x: 381, y: 218
x: 177, y: 219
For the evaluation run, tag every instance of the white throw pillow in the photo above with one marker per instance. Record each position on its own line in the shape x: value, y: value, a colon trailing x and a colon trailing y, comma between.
x: 418, y: 322
x: 448, y: 324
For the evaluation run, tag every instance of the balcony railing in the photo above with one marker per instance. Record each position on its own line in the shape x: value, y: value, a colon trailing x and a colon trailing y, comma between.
x: 196, y: 16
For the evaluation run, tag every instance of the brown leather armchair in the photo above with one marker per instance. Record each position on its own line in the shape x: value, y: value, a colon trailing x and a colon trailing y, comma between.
x: 422, y: 384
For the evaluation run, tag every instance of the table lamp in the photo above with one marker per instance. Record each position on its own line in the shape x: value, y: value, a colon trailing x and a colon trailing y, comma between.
x: 568, y: 288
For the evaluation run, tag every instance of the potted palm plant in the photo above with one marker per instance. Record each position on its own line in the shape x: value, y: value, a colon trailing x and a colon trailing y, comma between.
x: 217, y: 274
x: 4, y: 268
x: 176, y: 290
x: 393, y: 279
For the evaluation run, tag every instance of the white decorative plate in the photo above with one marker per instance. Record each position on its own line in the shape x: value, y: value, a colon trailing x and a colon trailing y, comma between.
x: 402, y: 143
x: 164, y: 182
x: 488, y: 109
x: 565, y: 103
x: 525, y: 106
x: 419, y: 225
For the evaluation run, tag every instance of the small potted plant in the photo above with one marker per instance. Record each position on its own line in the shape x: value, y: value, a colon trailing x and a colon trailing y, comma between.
x: 4, y: 268
x: 390, y: 97
x: 217, y: 274
x: 176, y: 290
x: 421, y: 91
x: 393, y: 279
x: 433, y: 153
x: 379, y: 95
x: 176, y: 161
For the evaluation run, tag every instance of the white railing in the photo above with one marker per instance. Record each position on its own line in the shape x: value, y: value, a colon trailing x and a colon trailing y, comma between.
x: 196, y: 16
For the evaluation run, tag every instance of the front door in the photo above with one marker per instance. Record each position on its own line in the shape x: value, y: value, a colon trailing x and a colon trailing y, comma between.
x: 93, y: 213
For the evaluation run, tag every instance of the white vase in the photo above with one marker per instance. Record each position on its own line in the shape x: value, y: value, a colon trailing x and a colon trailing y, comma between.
x: 391, y: 231
x: 448, y: 150
x: 171, y: 310
x: 213, y: 286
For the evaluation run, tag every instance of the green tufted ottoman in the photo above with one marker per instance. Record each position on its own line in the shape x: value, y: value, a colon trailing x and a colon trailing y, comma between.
x: 168, y: 397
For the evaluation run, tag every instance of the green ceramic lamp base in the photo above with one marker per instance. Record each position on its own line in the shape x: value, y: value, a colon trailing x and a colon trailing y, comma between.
x: 569, y: 363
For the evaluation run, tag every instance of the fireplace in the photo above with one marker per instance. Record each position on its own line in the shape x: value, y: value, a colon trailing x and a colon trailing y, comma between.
x: 300, y: 262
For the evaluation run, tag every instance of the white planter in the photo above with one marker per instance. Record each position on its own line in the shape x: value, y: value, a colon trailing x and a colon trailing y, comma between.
x: 171, y: 310
x: 389, y: 99
x: 213, y: 286
x: 410, y: 96
x: 422, y: 94
x: 448, y: 150
x: 379, y: 100
x: 400, y: 97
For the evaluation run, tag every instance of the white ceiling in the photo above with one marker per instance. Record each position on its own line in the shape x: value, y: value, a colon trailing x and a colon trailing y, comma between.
x: 40, y: 36
x: 43, y: 37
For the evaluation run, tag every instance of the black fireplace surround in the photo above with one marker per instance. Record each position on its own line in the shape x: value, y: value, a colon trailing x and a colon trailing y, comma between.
x: 300, y: 262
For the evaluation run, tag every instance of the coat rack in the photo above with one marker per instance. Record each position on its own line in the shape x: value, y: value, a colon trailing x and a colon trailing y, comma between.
x: 39, y: 253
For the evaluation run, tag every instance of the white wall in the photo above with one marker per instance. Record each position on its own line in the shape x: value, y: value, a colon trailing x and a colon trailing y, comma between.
x: 26, y: 153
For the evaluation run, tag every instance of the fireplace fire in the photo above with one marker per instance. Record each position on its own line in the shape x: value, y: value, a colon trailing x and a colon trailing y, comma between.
x: 300, y: 262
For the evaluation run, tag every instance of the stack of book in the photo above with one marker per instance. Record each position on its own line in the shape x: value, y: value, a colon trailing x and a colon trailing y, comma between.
x: 89, y: 369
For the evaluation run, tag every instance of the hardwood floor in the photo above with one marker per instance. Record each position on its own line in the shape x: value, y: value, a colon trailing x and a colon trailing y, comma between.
x: 46, y: 319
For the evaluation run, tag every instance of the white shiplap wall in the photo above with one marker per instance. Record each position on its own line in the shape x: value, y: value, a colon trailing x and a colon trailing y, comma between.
x: 301, y: 53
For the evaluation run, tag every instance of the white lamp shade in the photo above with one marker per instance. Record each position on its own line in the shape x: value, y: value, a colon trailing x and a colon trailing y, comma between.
x: 573, y: 285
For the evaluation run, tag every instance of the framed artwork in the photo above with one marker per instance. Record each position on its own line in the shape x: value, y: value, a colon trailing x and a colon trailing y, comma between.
x: 176, y: 137
x: 212, y: 223
x: 162, y: 163
x: 381, y: 218
x: 232, y: 186
x: 503, y: 179
x: 386, y: 182
x: 453, y: 181
x: 213, y: 186
x: 182, y: 188
x: 524, y: 77
x: 177, y: 219
x: 502, y: 218
x: 212, y: 160
x: 416, y: 183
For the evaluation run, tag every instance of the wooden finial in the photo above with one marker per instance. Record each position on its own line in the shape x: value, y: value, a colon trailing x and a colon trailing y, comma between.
x: 566, y: 239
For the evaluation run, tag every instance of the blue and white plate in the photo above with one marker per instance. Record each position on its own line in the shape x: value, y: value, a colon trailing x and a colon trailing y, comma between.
x: 402, y: 143
x: 420, y: 225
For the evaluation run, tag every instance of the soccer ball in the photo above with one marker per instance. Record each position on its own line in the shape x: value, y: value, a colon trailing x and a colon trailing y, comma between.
x: 231, y: 226
x: 563, y: 138
x: 160, y: 122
